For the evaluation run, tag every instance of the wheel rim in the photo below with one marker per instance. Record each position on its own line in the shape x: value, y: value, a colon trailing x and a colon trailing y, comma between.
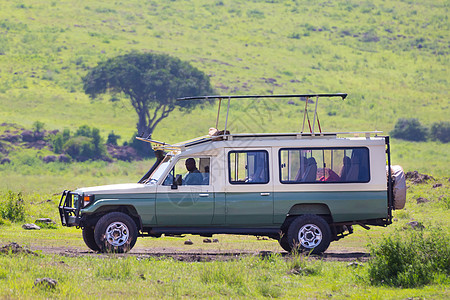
x: 310, y: 236
x: 117, y: 234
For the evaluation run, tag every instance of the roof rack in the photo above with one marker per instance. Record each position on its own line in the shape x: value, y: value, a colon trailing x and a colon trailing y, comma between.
x: 305, y: 97
x: 157, y: 145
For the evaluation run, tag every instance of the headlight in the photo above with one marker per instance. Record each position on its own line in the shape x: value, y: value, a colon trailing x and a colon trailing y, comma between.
x: 88, y: 199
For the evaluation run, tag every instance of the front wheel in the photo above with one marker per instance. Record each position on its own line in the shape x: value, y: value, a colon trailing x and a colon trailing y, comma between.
x: 309, y: 233
x: 89, y: 239
x: 115, y: 232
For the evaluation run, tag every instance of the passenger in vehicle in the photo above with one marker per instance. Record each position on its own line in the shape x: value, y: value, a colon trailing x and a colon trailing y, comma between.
x: 358, y: 170
x: 345, y: 168
x: 206, y: 176
x: 194, y: 177
x: 311, y: 170
x: 329, y: 176
x: 301, y: 169
x: 260, y: 173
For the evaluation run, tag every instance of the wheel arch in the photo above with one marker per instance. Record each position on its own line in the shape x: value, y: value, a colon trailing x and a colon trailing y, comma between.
x: 299, y: 209
x: 130, y: 210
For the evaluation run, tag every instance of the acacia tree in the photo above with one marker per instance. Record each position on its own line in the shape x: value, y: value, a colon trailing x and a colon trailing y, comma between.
x: 151, y: 81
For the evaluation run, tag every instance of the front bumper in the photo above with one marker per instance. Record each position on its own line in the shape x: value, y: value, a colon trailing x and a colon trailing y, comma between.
x: 69, y: 208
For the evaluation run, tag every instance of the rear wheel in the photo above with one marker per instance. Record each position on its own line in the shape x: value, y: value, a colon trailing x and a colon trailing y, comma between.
x: 89, y: 240
x: 284, y: 242
x: 309, y: 233
x: 115, y: 232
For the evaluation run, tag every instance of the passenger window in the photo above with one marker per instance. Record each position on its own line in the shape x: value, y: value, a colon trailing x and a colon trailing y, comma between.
x: 192, y: 171
x: 324, y: 165
x: 247, y: 167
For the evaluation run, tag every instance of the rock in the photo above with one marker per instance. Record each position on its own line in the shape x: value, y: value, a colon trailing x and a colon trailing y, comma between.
x: 355, y: 265
x: 14, y: 248
x: 5, y: 161
x: 437, y: 185
x: 207, y: 241
x: 49, y: 158
x: 422, y: 200
x: 31, y: 227
x: 417, y: 178
x: 215, y: 240
x: 46, y: 282
x: 64, y: 158
x: 188, y: 242
x: 416, y: 225
x: 45, y: 220
x: 12, y: 138
x: 27, y: 136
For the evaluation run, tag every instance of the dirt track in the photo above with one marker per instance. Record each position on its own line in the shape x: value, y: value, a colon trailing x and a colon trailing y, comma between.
x: 196, y: 255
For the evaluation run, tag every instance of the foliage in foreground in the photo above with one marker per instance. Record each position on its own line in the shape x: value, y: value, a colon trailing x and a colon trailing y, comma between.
x: 416, y: 259
x: 254, y: 277
x: 12, y: 208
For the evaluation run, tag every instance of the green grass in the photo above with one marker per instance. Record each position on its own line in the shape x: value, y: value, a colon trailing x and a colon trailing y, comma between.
x: 248, y: 277
x: 391, y: 57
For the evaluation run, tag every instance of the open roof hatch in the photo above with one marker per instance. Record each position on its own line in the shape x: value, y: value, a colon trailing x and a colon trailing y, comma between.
x: 225, y: 134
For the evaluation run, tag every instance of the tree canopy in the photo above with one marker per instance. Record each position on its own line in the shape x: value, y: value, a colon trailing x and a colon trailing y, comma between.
x: 151, y: 81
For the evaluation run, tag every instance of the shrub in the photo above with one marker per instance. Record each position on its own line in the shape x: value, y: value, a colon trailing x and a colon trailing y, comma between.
x: 79, y: 148
x: 38, y: 126
x: 84, y: 130
x: 59, y: 139
x: 13, y: 208
x: 440, y: 131
x: 112, y: 138
x: 410, y: 261
x: 410, y: 130
x: 142, y: 148
x: 86, y: 144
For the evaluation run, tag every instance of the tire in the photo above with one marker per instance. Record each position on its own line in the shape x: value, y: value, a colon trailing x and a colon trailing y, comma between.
x: 284, y: 242
x: 89, y: 239
x: 115, y: 232
x: 309, y: 233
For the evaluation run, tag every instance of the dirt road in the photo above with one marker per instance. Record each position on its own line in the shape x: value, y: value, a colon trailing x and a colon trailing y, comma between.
x: 196, y: 255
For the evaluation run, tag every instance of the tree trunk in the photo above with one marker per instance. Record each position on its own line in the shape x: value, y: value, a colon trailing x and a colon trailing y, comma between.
x: 142, y: 124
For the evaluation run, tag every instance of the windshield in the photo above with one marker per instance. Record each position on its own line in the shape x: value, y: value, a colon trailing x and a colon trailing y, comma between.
x: 156, y: 175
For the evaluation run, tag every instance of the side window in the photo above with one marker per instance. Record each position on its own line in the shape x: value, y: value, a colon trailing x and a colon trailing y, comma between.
x: 191, y: 171
x: 324, y: 165
x: 247, y: 167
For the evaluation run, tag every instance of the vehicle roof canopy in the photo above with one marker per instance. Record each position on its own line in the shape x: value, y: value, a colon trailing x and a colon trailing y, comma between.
x: 219, y: 135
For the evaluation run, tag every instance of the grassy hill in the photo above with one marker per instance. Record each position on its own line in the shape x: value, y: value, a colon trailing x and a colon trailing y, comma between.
x: 392, y: 57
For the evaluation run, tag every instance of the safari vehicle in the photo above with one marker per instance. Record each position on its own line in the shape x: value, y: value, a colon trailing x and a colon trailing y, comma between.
x: 305, y: 189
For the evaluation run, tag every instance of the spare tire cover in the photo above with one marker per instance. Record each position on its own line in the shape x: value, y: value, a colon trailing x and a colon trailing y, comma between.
x: 398, y: 176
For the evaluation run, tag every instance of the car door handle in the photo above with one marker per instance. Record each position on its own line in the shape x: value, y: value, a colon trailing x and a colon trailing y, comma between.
x: 204, y: 195
x: 265, y: 194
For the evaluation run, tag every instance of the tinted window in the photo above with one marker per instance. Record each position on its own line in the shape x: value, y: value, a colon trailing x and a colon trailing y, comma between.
x: 247, y: 167
x: 324, y: 165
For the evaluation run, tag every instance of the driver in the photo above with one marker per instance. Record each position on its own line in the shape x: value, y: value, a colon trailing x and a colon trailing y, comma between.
x: 194, y: 177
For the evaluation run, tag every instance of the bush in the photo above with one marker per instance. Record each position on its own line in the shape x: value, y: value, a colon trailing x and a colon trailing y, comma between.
x: 410, y: 130
x: 79, y: 148
x: 142, y: 148
x: 440, y: 131
x: 86, y: 144
x: 13, y: 208
x: 38, y: 126
x: 112, y: 138
x: 410, y: 261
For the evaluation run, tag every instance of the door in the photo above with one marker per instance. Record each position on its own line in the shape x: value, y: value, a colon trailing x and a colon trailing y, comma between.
x: 249, y: 192
x: 191, y: 201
